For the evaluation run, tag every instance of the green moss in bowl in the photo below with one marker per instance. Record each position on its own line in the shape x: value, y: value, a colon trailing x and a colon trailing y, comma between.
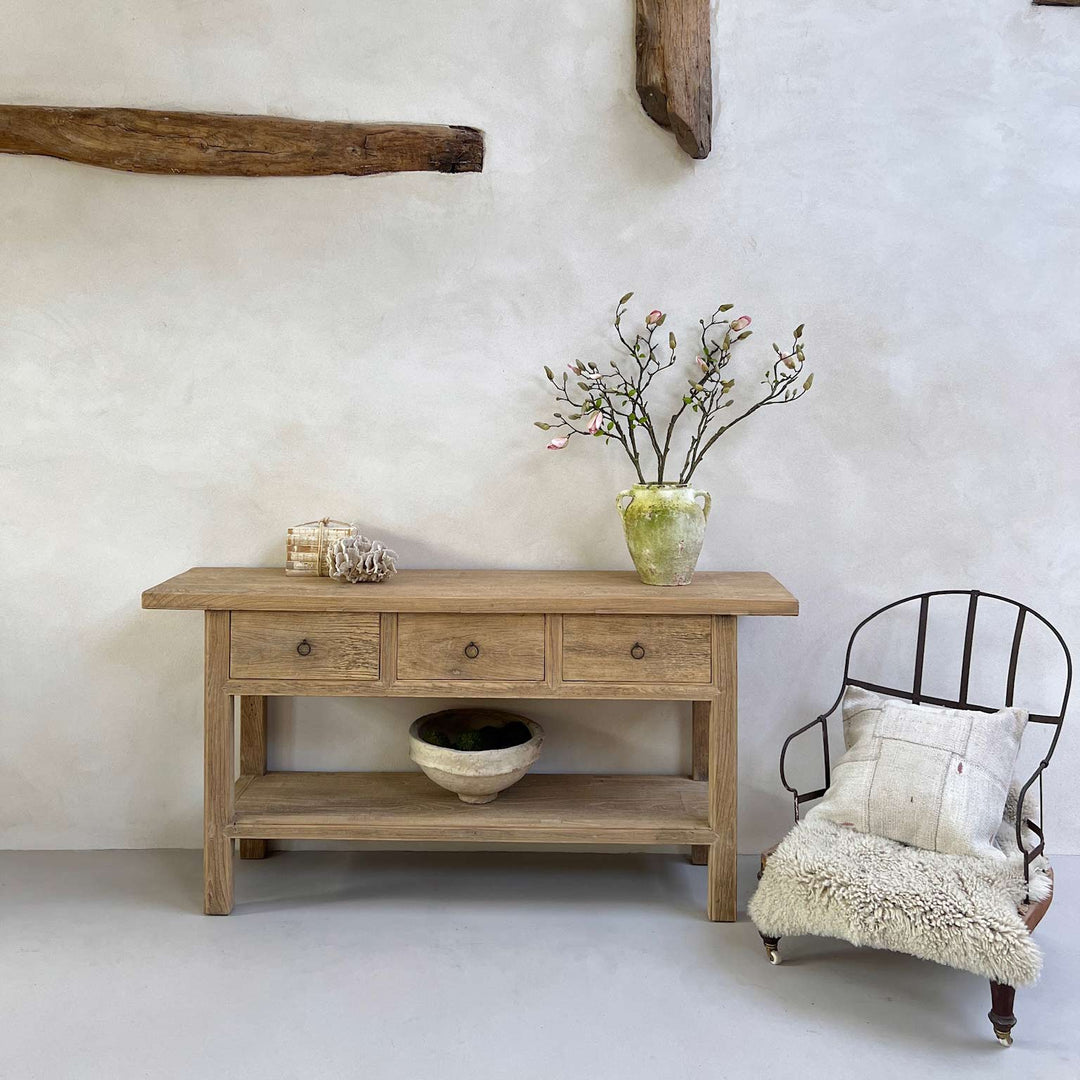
x: 488, y: 737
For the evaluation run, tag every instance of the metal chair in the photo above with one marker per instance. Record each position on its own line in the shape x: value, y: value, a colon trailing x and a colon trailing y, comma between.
x: 1002, y: 997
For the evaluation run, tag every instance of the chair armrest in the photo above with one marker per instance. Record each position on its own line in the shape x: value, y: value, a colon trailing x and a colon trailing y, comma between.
x: 1021, y: 821
x: 802, y: 797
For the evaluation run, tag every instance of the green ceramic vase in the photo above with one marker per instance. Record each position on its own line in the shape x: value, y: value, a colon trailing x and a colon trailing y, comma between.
x: 665, y: 528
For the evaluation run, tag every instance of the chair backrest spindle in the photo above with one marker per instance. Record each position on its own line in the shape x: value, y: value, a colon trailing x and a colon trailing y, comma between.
x: 1014, y: 656
x: 969, y: 638
x: 920, y: 650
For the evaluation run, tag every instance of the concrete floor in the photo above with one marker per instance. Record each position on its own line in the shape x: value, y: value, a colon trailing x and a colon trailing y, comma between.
x: 419, y: 965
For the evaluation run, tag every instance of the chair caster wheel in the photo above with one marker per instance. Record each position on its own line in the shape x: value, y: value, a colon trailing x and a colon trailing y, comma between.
x: 1003, y: 1037
x: 772, y: 948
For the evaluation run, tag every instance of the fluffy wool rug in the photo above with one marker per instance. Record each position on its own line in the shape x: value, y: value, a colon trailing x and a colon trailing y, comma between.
x: 957, y: 910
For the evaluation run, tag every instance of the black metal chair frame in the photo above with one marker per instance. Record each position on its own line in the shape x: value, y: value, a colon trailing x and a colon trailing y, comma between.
x: 916, y: 696
x: 1001, y: 1014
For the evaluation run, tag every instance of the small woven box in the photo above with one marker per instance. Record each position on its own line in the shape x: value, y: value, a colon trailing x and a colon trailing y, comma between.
x: 307, y: 546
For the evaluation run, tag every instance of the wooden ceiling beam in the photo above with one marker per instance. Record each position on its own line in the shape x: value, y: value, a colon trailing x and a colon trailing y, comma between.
x: 674, y: 69
x: 223, y: 144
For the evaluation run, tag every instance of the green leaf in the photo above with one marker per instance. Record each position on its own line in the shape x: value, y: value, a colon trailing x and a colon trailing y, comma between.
x: 726, y: 307
x: 744, y: 334
x: 809, y: 381
x: 626, y: 297
x: 662, y: 319
x: 799, y: 329
x: 542, y: 426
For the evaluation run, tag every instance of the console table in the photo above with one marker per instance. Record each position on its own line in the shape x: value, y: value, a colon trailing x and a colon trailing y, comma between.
x: 470, y: 634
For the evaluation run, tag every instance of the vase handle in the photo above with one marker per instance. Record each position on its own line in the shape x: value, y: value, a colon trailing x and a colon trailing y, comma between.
x: 619, y: 501
x: 708, y: 502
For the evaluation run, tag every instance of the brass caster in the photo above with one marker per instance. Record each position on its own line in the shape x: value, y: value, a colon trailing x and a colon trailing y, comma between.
x: 1003, y: 1037
x: 773, y: 954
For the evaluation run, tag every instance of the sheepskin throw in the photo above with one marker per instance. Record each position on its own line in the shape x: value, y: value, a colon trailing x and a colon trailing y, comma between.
x: 922, y: 774
x: 957, y: 910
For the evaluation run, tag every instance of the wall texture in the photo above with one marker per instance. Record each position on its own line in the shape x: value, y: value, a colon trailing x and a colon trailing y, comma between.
x: 191, y: 365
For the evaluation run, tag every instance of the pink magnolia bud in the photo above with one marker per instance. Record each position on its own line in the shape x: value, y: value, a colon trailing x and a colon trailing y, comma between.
x: 741, y: 323
x: 701, y: 363
x: 653, y: 318
x: 594, y: 423
x: 559, y: 442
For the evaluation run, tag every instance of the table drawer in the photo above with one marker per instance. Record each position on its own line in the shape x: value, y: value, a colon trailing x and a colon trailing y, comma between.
x: 304, y: 645
x: 502, y: 648
x: 637, y: 648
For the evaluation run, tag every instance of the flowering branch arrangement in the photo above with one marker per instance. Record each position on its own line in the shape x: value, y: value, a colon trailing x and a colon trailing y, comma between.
x: 614, y: 405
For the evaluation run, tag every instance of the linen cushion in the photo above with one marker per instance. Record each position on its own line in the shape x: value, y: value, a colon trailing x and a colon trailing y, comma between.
x: 923, y: 775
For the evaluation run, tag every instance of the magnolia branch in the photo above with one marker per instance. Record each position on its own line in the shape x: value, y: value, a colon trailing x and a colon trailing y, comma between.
x: 613, y: 404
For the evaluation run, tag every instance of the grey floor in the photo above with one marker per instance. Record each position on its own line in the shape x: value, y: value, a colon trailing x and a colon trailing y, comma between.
x: 494, y: 964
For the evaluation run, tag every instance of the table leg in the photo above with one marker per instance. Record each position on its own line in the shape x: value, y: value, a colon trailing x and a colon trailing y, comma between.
x: 219, y: 772
x: 699, y: 765
x: 253, y: 758
x: 723, y: 774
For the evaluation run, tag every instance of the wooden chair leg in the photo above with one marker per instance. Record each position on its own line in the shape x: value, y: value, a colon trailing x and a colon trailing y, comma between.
x: 1001, y: 1011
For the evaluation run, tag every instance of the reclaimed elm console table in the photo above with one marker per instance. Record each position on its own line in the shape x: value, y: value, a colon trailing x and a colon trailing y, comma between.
x: 471, y: 634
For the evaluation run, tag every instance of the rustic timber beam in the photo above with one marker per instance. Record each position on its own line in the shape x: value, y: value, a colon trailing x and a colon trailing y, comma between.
x: 674, y: 69
x: 222, y: 144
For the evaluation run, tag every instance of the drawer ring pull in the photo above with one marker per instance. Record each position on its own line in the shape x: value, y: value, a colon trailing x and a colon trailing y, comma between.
x: 637, y: 650
x: 472, y: 650
x: 304, y: 648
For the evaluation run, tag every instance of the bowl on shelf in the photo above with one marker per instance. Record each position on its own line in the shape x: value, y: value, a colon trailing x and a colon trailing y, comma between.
x: 475, y: 753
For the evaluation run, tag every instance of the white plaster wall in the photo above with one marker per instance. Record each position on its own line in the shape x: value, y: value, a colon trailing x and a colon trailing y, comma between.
x: 191, y: 365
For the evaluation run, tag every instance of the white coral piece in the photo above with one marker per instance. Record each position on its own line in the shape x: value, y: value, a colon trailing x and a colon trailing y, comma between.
x: 356, y: 559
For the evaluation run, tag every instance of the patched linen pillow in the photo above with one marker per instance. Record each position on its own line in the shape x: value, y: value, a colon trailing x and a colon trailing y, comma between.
x: 924, y: 775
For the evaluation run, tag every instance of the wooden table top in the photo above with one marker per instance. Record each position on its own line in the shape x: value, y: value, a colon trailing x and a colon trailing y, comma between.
x: 233, y: 588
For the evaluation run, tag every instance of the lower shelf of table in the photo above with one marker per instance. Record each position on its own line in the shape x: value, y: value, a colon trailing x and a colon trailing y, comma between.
x: 541, y: 808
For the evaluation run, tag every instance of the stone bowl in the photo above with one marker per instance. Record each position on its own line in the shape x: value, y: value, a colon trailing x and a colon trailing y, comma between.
x: 475, y: 776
